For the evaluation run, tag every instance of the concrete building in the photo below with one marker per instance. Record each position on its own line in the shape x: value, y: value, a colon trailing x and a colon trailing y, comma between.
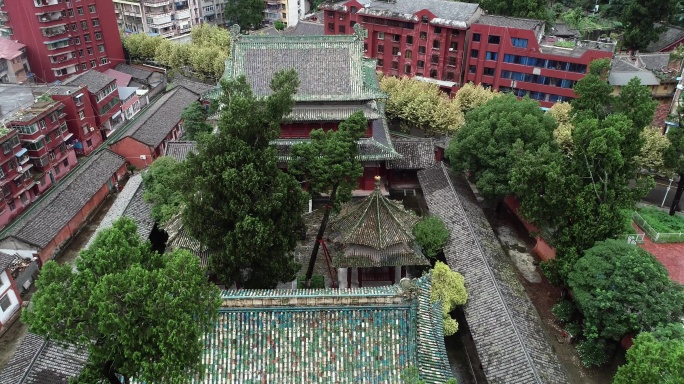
x: 14, y: 66
x: 158, y: 17
x: 64, y: 37
x: 450, y: 43
x: 213, y: 12
x: 287, y: 11
x: 657, y: 71
x: 103, y: 97
x: 130, y: 16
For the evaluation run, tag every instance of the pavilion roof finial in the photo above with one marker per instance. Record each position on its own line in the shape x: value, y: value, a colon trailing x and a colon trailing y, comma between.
x: 377, y: 182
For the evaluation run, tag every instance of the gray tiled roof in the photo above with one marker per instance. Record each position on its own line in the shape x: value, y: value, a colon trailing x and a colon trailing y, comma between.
x: 505, y: 326
x: 510, y: 22
x: 158, y: 121
x: 330, y: 67
x: 47, y: 217
x: 327, y: 112
x: 670, y: 36
x: 194, y: 86
x: 622, y: 78
x: 94, y: 80
x: 417, y: 153
x: 39, y: 361
x: 655, y: 62
x: 358, y: 335
x: 5, y: 261
x: 303, y: 28
x: 136, y: 72
x: 180, y: 238
x: 448, y: 11
x: 179, y: 149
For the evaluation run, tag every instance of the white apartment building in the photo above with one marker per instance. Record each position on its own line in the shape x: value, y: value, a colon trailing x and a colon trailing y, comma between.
x: 287, y: 11
x: 167, y: 18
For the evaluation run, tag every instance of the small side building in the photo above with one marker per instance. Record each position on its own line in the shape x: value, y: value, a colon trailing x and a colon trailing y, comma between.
x: 14, y: 66
x: 151, y: 79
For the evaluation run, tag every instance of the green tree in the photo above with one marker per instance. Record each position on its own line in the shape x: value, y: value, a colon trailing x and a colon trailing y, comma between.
x: 651, y: 157
x: 654, y: 358
x: 161, y: 182
x: 530, y: 9
x: 674, y: 159
x: 562, y: 113
x: 593, y: 96
x: 238, y: 202
x: 622, y: 289
x: 141, y: 46
x: 635, y: 102
x: 471, y: 96
x: 431, y: 234
x: 640, y: 18
x: 448, y: 287
x: 279, y: 25
x: 195, y: 120
x: 329, y: 164
x: 494, y: 135
x: 249, y: 14
x: 139, y: 314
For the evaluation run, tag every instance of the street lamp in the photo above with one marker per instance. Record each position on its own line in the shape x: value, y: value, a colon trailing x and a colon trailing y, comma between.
x: 666, y: 192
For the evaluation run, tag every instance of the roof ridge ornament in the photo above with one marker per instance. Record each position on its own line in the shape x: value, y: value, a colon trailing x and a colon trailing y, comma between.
x: 234, y: 33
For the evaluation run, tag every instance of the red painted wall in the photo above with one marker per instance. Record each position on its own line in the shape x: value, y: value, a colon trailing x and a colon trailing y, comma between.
x: 75, y: 124
x: 131, y: 150
x: 26, y: 27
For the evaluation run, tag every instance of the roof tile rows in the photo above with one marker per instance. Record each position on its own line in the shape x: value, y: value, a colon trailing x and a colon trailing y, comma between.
x: 159, y: 120
x: 5, y: 261
x: 179, y: 149
x: 52, y: 213
x: 504, y: 324
x: 510, y: 22
x: 417, y: 153
x: 94, y: 80
x: 136, y: 72
x: 9, y: 49
x: 39, y: 361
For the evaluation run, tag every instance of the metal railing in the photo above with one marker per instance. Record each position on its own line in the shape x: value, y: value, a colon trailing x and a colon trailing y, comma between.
x: 655, y: 236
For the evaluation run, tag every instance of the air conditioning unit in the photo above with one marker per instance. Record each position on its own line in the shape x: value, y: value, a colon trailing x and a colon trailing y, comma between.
x: 20, y: 169
x: 92, y: 129
x: 451, y: 49
x: 398, y: 54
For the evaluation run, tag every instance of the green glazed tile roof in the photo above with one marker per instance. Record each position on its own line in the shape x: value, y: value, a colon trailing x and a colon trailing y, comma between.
x: 365, y: 335
x: 329, y: 67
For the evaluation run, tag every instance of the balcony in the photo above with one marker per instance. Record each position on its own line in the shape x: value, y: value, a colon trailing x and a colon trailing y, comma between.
x: 155, y: 2
x: 49, y: 17
x: 4, y: 16
x: 45, y: 3
x: 156, y: 11
x: 180, y: 15
x: 54, y: 31
x: 23, y: 159
x: 62, y: 58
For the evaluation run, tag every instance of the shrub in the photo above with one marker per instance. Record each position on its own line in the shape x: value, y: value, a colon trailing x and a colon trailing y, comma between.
x: 317, y: 281
x: 549, y: 269
x: 592, y: 352
x: 279, y: 25
x: 564, y: 311
x: 431, y: 234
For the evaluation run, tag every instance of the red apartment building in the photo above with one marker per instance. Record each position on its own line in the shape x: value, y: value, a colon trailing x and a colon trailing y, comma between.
x: 64, y: 37
x: 43, y: 133
x: 81, y: 118
x: 449, y: 43
x: 16, y: 180
x: 104, y: 98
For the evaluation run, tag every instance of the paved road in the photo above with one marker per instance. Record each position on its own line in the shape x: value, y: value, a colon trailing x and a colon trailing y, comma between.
x: 655, y: 196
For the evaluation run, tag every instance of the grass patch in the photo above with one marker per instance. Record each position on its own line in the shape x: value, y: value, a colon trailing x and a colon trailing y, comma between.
x: 564, y: 44
x: 317, y: 281
x: 661, y: 221
x: 628, y: 229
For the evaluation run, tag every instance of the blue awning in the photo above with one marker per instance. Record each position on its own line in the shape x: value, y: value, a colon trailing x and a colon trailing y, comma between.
x: 78, y: 145
x: 20, y: 153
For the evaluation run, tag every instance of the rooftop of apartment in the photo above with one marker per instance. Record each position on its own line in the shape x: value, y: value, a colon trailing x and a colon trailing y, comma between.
x: 34, y: 110
x: 10, y: 49
x: 650, y: 69
x: 13, y: 98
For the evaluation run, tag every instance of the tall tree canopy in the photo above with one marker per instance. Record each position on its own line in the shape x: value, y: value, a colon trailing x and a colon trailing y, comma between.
x: 162, y: 181
x: 238, y: 202
x: 529, y: 9
x: 622, y: 289
x: 493, y: 137
x: 431, y: 234
x: 195, y: 120
x: 249, y: 14
x: 655, y: 357
x: 139, y: 314
x: 639, y: 19
x: 635, y: 101
x: 674, y: 159
x: 448, y: 287
x: 329, y: 164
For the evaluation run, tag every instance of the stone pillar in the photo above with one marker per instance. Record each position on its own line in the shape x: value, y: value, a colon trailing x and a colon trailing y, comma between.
x: 354, y: 278
x: 397, y: 274
x: 342, y: 277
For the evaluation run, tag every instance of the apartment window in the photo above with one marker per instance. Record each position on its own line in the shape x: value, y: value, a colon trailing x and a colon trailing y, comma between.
x: 341, y: 29
x: 396, y: 38
x: 453, y: 46
x: 84, y: 25
x: 435, y: 44
x: 434, y: 59
x: 409, y: 40
x: 53, y: 117
x: 351, y: 25
x: 103, y: 61
x: 421, y: 50
x: 77, y: 40
x: 451, y: 61
x: 433, y: 73
x: 365, y: 47
x: 352, y: 9
x: 80, y: 52
x: 395, y: 51
x: 488, y: 71
x: 421, y: 64
x: 454, y: 32
x: 81, y: 115
x: 70, y: 12
x: 474, y: 53
x: 84, y: 66
x: 423, y: 35
x: 381, y: 48
x: 96, y: 22
x: 425, y: 19
x: 381, y: 35
x: 395, y: 65
x: 80, y: 11
x: 41, y: 124
x: 330, y: 14
x: 36, y: 145
x: 342, y: 16
x: 472, y: 69
x: 98, y: 35
x: 381, y: 62
x: 74, y: 27
x: 91, y: 8
x: 90, y: 50
x: 438, y: 29
x: 12, y: 207
x: 494, y: 39
x: 89, y: 143
x: 407, y: 69
x: 65, y: 163
x: 7, y: 190
x: 331, y: 27
x: 100, y: 48
x: 476, y: 37
x: 408, y: 54
x: 450, y: 76
x: 519, y: 43
x: 491, y: 56
x: 48, y: 139
x: 86, y: 37
x: 93, y: 63
x: 85, y: 129
x: 57, y: 168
